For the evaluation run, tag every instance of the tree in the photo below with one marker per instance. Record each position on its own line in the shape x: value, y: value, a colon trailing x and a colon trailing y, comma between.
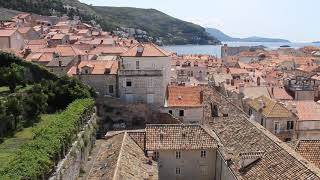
x: 14, y: 108
x: 35, y: 103
x: 12, y: 76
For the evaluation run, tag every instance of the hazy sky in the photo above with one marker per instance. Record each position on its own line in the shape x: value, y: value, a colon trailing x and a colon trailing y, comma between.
x: 296, y: 20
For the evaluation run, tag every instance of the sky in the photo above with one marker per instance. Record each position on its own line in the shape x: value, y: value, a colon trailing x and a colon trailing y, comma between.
x: 295, y: 20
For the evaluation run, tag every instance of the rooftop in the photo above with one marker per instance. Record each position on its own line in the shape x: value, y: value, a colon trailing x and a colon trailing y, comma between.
x: 270, y: 108
x: 184, y: 96
x: 121, y: 158
x: 99, y: 67
x: 308, y: 110
x: 65, y: 61
x: 148, y: 50
x: 174, y: 137
x: 239, y: 136
x: 309, y: 149
x: 7, y: 32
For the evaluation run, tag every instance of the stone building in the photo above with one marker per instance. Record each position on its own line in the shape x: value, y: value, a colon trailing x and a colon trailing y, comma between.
x: 308, y: 123
x: 100, y: 75
x: 59, y: 39
x: 182, y: 151
x: 144, y: 74
x: 28, y: 33
x: 11, y: 38
x: 185, y: 103
x: 248, y: 150
x: 61, y: 65
x: 273, y: 116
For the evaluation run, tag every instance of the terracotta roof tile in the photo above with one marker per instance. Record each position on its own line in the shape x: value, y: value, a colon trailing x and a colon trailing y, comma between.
x: 184, y: 96
x: 174, y: 137
x: 308, y: 110
x: 149, y: 50
x: 7, y: 32
x: 309, y: 149
x: 271, y: 108
x: 99, y: 67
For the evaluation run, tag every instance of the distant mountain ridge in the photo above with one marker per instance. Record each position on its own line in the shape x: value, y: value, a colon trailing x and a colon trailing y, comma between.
x: 157, y: 25
x: 224, y: 37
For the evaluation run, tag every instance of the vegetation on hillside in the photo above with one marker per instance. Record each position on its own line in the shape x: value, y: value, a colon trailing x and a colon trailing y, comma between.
x: 32, y: 143
x: 39, y: 92
x: 156, y: 23
x: 51, y: 139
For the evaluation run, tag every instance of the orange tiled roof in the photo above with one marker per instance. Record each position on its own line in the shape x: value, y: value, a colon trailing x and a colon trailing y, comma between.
x: 108, y: 50
x: 99, y: 67
x: 182, y: 96
x: 149, y: 50
x: 308, y: 110
x: 238, y: 71
x: 280, y: 94
x: 38, y: 42
x: 7, y: 32
x: 58, y: 36
x: 24, y: 30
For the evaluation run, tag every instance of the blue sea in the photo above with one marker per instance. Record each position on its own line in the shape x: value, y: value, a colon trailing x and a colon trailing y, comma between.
x: 216, y: 50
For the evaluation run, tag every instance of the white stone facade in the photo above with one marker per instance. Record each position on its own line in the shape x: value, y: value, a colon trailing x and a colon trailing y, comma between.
x: 144, y: 79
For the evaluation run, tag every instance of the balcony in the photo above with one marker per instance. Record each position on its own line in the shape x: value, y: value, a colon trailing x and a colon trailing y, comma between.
x: 140, y: 72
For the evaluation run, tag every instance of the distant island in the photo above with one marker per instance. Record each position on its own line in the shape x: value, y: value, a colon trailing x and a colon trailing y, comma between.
x: 316, y: 42
x: 224, y: 37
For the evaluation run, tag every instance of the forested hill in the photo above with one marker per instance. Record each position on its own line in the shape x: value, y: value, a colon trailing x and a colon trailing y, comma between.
x: 158, y: 25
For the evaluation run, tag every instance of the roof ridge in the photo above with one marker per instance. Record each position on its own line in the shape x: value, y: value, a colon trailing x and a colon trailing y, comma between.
x: 119, y: 157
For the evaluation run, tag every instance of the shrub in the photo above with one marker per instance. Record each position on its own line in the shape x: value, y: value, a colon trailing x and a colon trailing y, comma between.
x: 50, y: 138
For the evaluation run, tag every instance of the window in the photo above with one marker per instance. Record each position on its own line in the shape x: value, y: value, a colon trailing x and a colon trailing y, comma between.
x: 178, y: 171
x: 170, y: 111
x: 181, y: 113
x: 276, y: 127
x: 129, y: 84
x: 86, y: 71
x: 261, y: 122
x: 111, y: 89
x: 203, y: 154
x: 161, y: 137
x: 178, y: 63
x: 250, y: 112
x: 290, y: 125
x: 178, y: 155
x: 156, y: 155
x: 137, y: 65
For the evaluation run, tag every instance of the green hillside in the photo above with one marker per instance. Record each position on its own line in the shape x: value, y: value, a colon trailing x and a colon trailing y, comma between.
x: 157, y: 24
